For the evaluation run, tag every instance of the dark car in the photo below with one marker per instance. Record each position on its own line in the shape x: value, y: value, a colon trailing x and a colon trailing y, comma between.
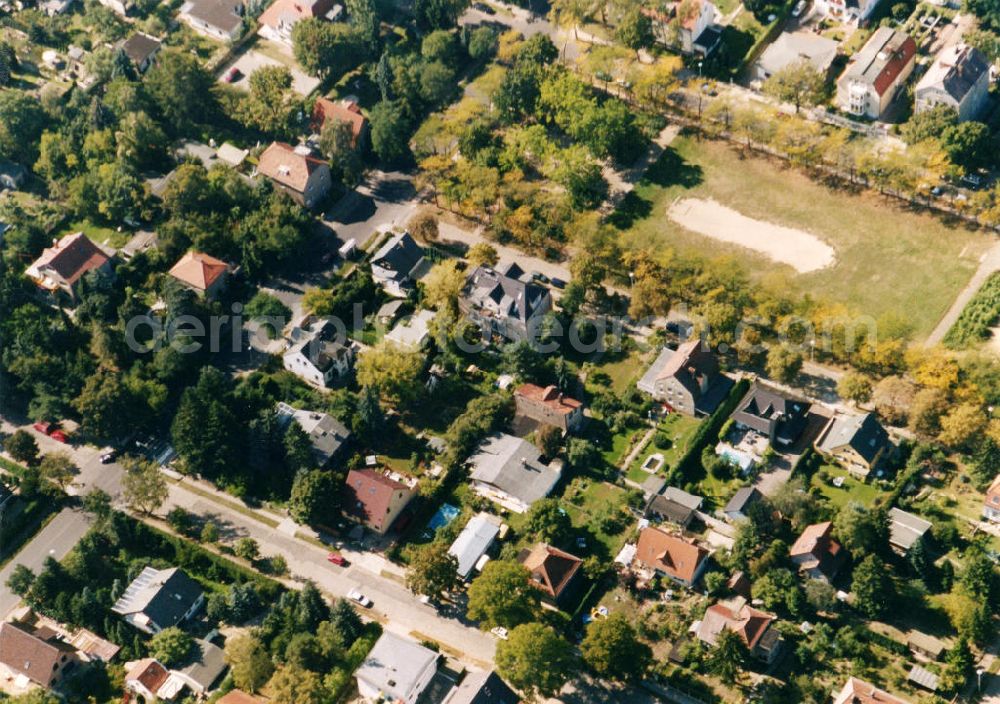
x: 109, y: 457
x: 484, y: 8
x: 557, y: 282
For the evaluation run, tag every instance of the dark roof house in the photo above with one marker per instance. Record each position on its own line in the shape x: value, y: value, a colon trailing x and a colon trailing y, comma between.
x: 742, y: 500
x: 552, y: 570
x: 502, y: 304
x: 327, y: 435
x: 395, y: 263
x: 141, y: 49
x: 482, y: 688
x: 687, y: 379
x: 858, y: 441
x: 159, y: 599
x: 777, y: 416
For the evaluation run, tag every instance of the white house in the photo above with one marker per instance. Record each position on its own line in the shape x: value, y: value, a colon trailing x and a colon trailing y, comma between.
x: 877, y: 74
x: 396, y: 670
x: 315, y: 355
x: 958, y: 78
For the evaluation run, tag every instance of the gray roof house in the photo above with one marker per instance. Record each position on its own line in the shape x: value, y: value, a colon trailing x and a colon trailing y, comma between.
x: 775, y: 415
x: 958, y: 78
x: 507, y: 470
x: 327, y: 434
x: 661, y: 508
x: 221, y: 19
x: 905, y: 530
x: 791, y: 48
x: 859, y: 442
x: 737, y: 507
x: 159, y: 599
x: 683, y: 498
x: 482, y: 688
x: 396, y: 670
x: 395, y: 263
x: 315, y: 354
x: 502, y: 304
x: 141, y: 49
x: 687, y: 379
x: 472, y: 543
x: 204, y: 669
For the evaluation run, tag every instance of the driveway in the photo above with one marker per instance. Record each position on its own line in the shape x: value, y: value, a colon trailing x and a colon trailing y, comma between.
x: 253, y: 60
x: 384, y: 200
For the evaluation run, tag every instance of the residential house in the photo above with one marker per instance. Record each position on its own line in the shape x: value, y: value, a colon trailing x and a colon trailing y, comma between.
x: 395, y: 264
x: 326, y: 434
x: 315, y: 354
x: 991, y: 504
x: 346, y: 111
x: 773, y: 414
x: 397, y: 670
x: 159, y: 599
x: 857, y: 691
x: 12, y: 176
x: 507, y: 470
x: 219, y: 19
x: 204, y: 670
x: 502, y: 304
x: 905, y: 530
x: 681, y: 560
x: 474, y: 541
x: 388, y: 312
x: 202, y: 273
x: 548, y: 406
x: 662, y: 509
x: 687, y: 379
x: 925, y: 646
x: 859, y: 442
x: 61, y: 266
x: 754, y: 627
x: 152, y: 681
x: 120, y: 7
x: 683, y: 498
x: 877, y: 74
x: 792, y: 49
x: 480, y: 688
x: 413, y: 332
x: 697, y: 32
x: 280, y: 18
x: 958, y: 78
x: 554, y: 572
x: 31, y: 656
x: 738, y: 506
x: 146, y: 678
x: 141, y: 49
x: 853, y: 11
x: 816, y: 553
x: 303, y: 177
x: 375, y: 498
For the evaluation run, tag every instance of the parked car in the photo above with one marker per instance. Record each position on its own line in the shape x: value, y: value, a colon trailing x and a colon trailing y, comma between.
x: 484, y: 8
x: 500, y: 632
x: 109, y: 456
x: 800, y: 7
x: 337, y: 559
x: 539, y: 277
x: 233, y: 75
x: 557, y: 282
x: 359, y: 598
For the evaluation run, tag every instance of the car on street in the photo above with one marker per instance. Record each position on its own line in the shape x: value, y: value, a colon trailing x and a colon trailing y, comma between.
x: 357, y: 597
x: 337, y: 559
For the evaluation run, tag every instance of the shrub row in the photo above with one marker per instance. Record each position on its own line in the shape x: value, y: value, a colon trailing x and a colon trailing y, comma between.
x: 708, y: 432
x: 978, y: 315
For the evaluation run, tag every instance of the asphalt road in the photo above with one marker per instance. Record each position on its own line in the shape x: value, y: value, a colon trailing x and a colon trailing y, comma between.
x: 55, y: 540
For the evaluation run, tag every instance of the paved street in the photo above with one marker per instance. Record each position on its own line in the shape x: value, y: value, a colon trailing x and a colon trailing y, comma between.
x: 379, y: 580
x: 383, y: 200
x: 55, y: 540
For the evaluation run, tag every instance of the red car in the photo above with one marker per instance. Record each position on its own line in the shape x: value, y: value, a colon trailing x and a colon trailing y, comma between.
x: 59, y: 436
x: 43, y: 428
x: 232, y: 75
x: 337, y: 559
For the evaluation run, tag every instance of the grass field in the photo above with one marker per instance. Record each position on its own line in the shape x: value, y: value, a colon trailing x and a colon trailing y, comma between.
x: 679, y: 428
x: 851, y: 490
x: 887, y: 259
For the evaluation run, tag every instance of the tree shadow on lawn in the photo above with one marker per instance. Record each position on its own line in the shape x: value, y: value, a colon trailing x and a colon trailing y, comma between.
x: 669, y: 170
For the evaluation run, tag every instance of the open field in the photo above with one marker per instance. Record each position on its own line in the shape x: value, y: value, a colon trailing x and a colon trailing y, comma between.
x: 887, y: 259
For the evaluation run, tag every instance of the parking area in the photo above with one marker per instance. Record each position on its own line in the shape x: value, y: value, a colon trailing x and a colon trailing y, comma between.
x: 250, y: 62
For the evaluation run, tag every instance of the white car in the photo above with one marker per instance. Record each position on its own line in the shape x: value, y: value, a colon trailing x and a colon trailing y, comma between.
x: 799, y: 7
x: 500, y: 632
x: 359, y: 598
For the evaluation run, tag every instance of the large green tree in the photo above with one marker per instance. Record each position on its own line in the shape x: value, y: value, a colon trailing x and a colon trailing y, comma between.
x: 798, y: 83
x: 612, y: 648
x: 183, y: 91
x: 390, y: 131
x: 144, y: 487
x: 327, y: 49
x: 535, y: 660
x: 315, y: 496
x: 873, y: 587
x: 433, y: 571
x: 502, y: 595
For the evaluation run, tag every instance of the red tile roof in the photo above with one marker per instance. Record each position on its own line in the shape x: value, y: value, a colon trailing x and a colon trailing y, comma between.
x: 291, y: 11
x: 72, y: 257
x: 548, y: 396
x: 670, y: 554
x: 857, y: 691
x: 343, y: 111
x: 551, y: 569
x: 749, y: 623
x: 148, y: 673
x: 237, y: 697
x: 817, y: 544
x: 280, y: 162
x: 887, y: 76
x: 369, y: 495
x: 198, y: 270
x: 993, y: 493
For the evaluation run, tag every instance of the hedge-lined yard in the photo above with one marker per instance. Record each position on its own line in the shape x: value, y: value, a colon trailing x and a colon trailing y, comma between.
x: 979, y: 314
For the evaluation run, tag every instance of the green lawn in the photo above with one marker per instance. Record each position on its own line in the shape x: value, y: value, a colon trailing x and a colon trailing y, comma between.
x: 851, y: 490
x: 99, y: 234
x: 886, y: 257
x: 679, y: 428
x: 599, y: 509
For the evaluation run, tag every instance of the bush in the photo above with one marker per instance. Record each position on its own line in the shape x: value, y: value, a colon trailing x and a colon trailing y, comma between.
x: 978, y: 315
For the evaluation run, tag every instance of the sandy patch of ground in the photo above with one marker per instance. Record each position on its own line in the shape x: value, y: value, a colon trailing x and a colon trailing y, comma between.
x: 799, y: 249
